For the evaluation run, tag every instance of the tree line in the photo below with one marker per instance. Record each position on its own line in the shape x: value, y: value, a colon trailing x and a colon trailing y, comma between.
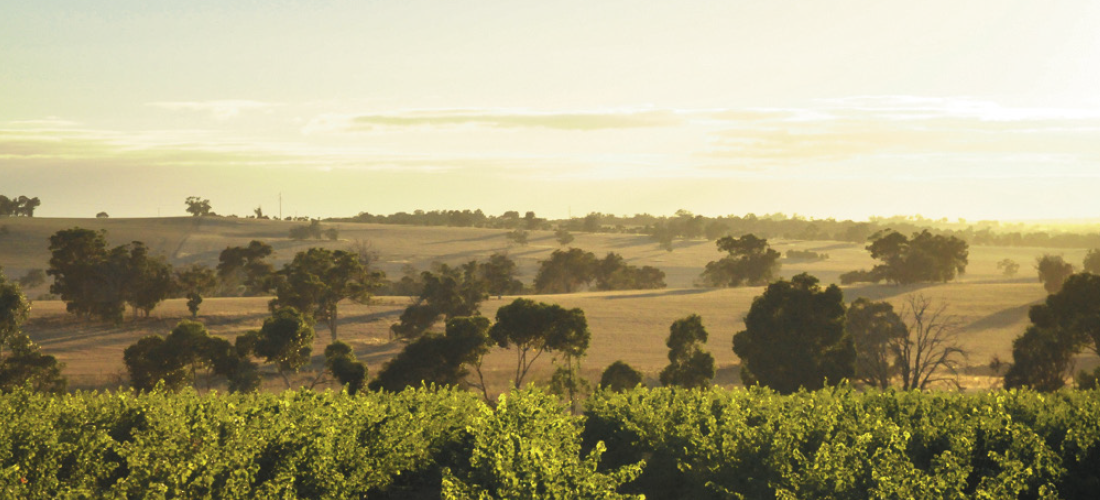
x: 18, y: 206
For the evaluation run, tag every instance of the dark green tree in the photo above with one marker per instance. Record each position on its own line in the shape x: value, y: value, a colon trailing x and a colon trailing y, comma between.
x: 195, y: 281
x: 750, y: 262
x: 1041, y: 360
x: 566, y: 271
x: 318, y: 279
x: 341, y: 362
x: 499, y: 275
x: 21, y: 360
x: 175, y: 360
x: 449, y: 293
x: 876, y: 329
x: 620, y: 377
x: 148, y: 279
x: 1053, y: 271
x: 197, y: 206
x: 285, y: 339
x: 563, y: 236
x: 78, y: 260
x: 923, y: 258
x: 533, y: 328
x: 517, y: 237
x: 1008, y: 267
x: 613, y: 273
x: 689, y: 365
x: 794, y: 337
x: 439, y: 359
x: 245, y: 267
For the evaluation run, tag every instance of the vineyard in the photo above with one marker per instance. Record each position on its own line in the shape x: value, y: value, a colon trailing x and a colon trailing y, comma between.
x: 663, y: 443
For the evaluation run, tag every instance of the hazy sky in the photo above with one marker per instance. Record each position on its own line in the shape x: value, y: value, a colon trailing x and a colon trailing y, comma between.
x: 977, y: 109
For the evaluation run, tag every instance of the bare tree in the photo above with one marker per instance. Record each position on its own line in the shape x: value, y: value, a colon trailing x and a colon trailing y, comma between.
x: 931, y: 352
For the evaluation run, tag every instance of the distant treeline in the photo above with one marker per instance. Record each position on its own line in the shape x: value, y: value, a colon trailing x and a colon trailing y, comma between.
x: 18, y: 206
x: 685, y: 225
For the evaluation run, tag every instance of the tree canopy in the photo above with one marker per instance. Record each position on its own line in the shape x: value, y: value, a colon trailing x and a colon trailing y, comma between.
x: 285, y: 339
x: 689, y: 365
x: 318, y: 279
x: 750, y: 262
x: 439, y: 359
x: 1053, y: 271
x: 620, y: 376
x: 533, y: 328
x: 923, y: 258
x: 794, y: 337
x: 198, y: 207
x: 21, y: 360
x: 245, y: 267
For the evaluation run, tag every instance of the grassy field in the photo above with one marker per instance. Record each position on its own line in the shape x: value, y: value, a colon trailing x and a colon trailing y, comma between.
x: 632, y: 326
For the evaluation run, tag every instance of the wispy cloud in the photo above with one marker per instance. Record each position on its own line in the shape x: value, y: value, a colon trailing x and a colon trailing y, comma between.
x: 218, y: 109
x: 453, y: 118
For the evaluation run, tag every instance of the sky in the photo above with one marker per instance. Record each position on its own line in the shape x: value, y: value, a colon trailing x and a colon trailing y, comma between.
x: 986, y: 109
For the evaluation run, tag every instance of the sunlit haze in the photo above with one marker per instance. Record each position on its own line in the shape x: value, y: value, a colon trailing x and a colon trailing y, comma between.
x: 984, y: 109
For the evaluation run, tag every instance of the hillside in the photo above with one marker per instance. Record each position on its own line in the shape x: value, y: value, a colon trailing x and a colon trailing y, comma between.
x: 632, y: 326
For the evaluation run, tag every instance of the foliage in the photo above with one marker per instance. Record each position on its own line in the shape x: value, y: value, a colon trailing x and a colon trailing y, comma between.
x: 451, y: 293
x: 859, y: 276
x: 439, y: 359
x: 689, y: 364
x: 148, y: 279
x: 1092, y: 261
x: 1008, y: 267
x: 20, y: 206
x: 533, y: 328
x: 21, y: 360
x: 318, y: 279
x: 875, y: 329
x: 198, y: 207
x: 806, y: 255
x: 565, y: 271
x: 923, y: 258
x: 172, y: 362
x: 33, y: 278
x: 245, y: 267
x: 613, y: 273
x: 750, y: 261
x: 517, y: 237
x: 499, y: 275
x: 351, y: 373
x: 527, y: 448
x: 195, y: 281
x: 563, y: 236
x: 794, y: 337
x: 285, y: 339
x: 1062, y: 326
x: 1053, y: 271
x: 840, y: 443
x: 619, y: 377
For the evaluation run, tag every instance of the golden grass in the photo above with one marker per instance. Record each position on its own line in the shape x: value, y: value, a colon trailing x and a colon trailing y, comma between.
x: 630, y: 326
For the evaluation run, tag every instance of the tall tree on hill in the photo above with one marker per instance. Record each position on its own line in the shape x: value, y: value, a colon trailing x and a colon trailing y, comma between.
x: 285, y: 339
x: 318, y: 279
x: 534, y: 328
x: 794, y: 337
x: 197, y: 206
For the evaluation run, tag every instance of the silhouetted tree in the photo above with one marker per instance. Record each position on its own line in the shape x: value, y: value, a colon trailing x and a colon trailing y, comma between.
x: 1008, y: 267
x: 245, y: 266
x: 195, y: 281
x: 565, y: 271
x: 148, y: 279
x: 924, y: 258
x: 498, y: 273
x: 620, y: 377
x: 77, y: 257
x: 33, y: 278
x: 439, y: 359
x: 930, y: 351
x: 1053, y: 271
x: 875, y: 329
x: 21, y: 360
x: 689, y: 365
x: 794, y: 337
x: 341, y: 362
x: 197, y: 206
x: 1092, y: 261
x: 102, y: 215
x: 750, y: 261
x: 517, y: 236
x: 563, y: 236
x: 536, y: 327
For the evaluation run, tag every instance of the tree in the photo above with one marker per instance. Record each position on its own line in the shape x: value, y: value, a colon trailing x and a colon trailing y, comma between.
x: 620, y: 377
x: 517, y: 237
x: 613, y: 273
x: 1041, y: 359
x: 565, y: 271
x: 450, y: 293
x: 439, y: 359
x: 1053, y: 271
x: 340, y: 361
x: 195, y: 281
x: 563, y: 236
x: 689, y: 365
x: 930, y: 352
x: 1008, y: 267
x: 924, y: 258
x: 794, y: 337
x: 875, y: 329
x: 176, y: 359
x: 197, y: 207
x: 285, y: 339
x: 245, y: 267
x: 499, y: 275
x: 536, y: 327
x: 21, y: 360
x: 148, y: 279
x: 750, y: 261
x: 1092, y: 261
x: 318, y: 279
x: 88, y: 278
x: 102, y: 215
x: 33, y: 278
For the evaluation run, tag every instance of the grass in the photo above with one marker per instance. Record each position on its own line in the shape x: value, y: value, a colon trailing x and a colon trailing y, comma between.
x: 631, y: 326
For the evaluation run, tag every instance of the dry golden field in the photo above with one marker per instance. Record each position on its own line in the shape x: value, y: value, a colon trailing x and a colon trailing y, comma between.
x: 632, y: 326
